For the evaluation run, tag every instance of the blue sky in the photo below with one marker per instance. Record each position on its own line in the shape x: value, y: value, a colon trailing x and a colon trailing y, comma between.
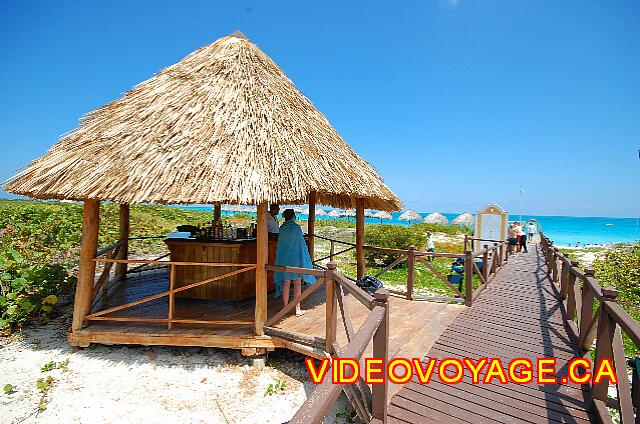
x: 456, y: 103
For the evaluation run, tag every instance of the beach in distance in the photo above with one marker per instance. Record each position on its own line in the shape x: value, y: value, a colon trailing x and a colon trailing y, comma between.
x: 563, y: 230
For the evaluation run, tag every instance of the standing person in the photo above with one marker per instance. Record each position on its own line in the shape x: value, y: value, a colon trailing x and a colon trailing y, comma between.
x: 272, y: 222
x: 531, y: 230
x: 431, y: 247
x: 520, y: 234
x: 523, y: 242
x: 291, y: 251
x: 512, y: 235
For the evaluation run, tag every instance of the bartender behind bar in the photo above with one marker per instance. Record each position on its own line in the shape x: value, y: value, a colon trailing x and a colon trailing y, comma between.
x: 274, y: 226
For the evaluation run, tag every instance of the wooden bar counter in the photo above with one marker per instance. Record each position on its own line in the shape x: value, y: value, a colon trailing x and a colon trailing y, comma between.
x: 237, y: 287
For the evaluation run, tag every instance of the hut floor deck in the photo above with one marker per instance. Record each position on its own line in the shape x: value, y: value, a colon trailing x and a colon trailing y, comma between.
x: 414, y: 326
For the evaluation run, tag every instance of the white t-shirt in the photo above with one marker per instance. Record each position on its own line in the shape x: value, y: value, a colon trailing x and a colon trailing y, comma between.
x: 273, y: 225
x: 531, y: 229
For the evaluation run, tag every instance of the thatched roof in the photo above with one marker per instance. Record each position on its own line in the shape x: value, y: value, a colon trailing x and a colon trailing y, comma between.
x: 383, y: 215
x: 465, y: 219
x: 410, y: 216
x: 224, y: 124
x: 436, y: 218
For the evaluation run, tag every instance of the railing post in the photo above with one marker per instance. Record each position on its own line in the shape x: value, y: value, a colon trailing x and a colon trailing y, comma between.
x: 554, y: 258
x: 468, y: 277
x: 123, y: 252
x: 494, y: 258
x: 485, y: 265
x: 571, y: 295
x: 172, y: 296
x: 411, y: 268
x: 332, y: 250
x: 331, y: 307
x: 564, y: 280
x: 588, y: 296
x: 380, y: 392
x: 604, y: 341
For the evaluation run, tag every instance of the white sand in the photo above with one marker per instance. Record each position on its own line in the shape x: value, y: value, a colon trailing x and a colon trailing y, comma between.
x: 112, y: 384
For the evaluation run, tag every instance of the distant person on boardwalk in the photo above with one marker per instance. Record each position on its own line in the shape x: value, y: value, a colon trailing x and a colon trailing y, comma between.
x: 291, y: 251
x: 520, y: 233
x: 531, y: 231
x: 523, y: 242
x: 512, y: 236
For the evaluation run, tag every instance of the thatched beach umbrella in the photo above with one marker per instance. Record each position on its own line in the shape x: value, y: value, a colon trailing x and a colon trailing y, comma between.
x: 321, y: 212
x: 436, y: 218
x: 465, y: 219
x: 410, y: 216
x: 368, y: 213
x: 334, y: 214
x: 216, y: 127
x: 383, y: 215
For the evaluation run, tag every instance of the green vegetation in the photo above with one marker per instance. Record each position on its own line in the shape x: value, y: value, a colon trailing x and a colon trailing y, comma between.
x: 620, y: 268
x: 39, y: 244
x: 53, y: 365
x: 7, y: 389
x: 276, y: 388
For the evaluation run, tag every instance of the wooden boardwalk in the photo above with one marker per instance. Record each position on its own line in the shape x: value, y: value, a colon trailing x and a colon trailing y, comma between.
x: 518, y: 315
x: 414, y: 325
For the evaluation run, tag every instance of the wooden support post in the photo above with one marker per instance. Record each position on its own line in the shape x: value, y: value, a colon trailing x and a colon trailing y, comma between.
x: 554, y: 264
x: 485, y: 266
x: 380, y: 392
x: 331, y: 307
x: 332, y: 249
x: 123, y: 253
x: 587, y: 310
x: 604, y: 342
x: 87, y: 270
x: 172, y: 296
x: 571, y: 292
x: 468, y: 277
x: 564, y: 280
x: 262, y: 246
x: 217, y: 212
x: 311, y: 223
x: 360, y: 237
x: 411, y: 271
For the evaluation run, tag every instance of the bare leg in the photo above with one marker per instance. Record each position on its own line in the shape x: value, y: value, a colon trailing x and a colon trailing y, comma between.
x: 285, y: 291
x: 297, y: 291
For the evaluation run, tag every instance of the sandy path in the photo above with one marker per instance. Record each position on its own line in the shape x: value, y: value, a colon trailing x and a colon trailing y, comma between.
x: 112, y: 384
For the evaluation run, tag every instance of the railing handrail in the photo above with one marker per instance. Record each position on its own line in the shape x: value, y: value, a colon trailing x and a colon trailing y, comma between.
x: 411, y: 255
x: 605, y: 327
x: 318, y: 404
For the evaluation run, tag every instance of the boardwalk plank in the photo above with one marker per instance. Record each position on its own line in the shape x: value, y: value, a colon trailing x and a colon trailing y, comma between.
x: 518, y: 315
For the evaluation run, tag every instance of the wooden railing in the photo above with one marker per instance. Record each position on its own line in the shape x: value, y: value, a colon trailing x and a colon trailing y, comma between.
x: 111, y: 252
x: 369, y: 404
x: 493, y: 256
x: 582, y: 295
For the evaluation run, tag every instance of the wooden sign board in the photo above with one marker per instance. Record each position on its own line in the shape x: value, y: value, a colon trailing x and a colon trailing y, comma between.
x: 491, y: 224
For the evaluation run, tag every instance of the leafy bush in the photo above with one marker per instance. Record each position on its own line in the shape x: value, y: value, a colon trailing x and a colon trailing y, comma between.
x: 39, y: 243
x: 620, y: 268
x: 437, y: 228
x: 391, y: 236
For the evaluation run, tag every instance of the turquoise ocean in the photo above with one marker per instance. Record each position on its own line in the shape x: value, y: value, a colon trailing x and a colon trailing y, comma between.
x: 563, y: 230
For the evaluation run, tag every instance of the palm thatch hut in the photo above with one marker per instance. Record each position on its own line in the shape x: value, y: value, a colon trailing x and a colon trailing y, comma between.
x: 223, y: 125
x: 465, y: 219
x: 436, y: 218
x: 410, y: 216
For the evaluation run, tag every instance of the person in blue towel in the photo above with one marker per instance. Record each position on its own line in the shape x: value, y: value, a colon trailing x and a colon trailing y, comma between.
x: 291, y: 251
